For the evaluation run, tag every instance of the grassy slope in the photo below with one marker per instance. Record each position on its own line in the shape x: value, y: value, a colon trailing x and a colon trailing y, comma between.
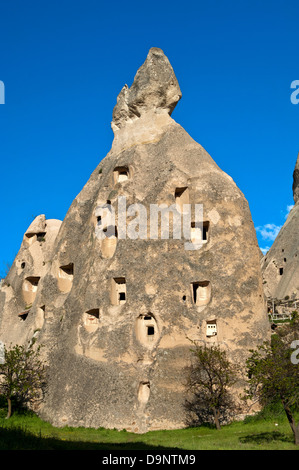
x: 22, y: 432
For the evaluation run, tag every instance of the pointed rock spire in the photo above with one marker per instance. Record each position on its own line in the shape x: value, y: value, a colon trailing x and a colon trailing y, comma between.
x: 296, y: 181
x: 155, y: 89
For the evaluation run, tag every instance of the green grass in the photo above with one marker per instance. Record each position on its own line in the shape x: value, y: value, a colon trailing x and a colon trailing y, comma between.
x: 28, y: 432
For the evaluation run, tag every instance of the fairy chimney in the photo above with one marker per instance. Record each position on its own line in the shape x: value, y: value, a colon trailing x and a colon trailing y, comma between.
x: 280, y: 266
x: 122, y: 300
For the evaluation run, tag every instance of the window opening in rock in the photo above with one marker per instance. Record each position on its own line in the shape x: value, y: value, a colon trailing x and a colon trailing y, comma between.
x: 211, y: 328
x: 109, y: 242
x: 198, y: 234
x: 30, y: 238
x: 65, y: 277
x: 281, y: 271
x: 205, y: 230
x: 33, y: 280
x: 201, y: 292
x: 118, y: 291
x: 29, y: 289
x: 91, y: 319
x: 144, y: 392
x: 147, y: 331
x: 40, y: 317
x: 41, y: 236
x: 69, y: 269
x: 23, y: 315
x: 181, y: 197
x: 94, y: 312
x: 150, y: 331
x: 121, y: 174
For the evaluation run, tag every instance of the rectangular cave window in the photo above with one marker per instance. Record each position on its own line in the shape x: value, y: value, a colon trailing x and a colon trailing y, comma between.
x: 118, y: 293
x: 29, y: 289
x: 197, y: 234
x: 69, y: 269
x: 33, y: 281
x: 201, y: 292
x: 41, y: 236
x: 121, y: 174
x: 205, y: 230
x: 65, y: 277
x: 150, y: 330
x: 29, y: 236
x: 211, y: 328
x: 181, y: 197
x: 281, y: 271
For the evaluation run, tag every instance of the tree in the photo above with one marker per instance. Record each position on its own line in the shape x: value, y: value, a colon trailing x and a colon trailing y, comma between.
x: 273, y: 375
x: 22, y: 376
x: 210, y: 378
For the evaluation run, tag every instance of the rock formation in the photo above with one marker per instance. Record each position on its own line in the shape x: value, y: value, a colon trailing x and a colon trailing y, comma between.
x: 280, y: 266
x: 19, y: 290
x: 119, y: 311
x: 296, y: 181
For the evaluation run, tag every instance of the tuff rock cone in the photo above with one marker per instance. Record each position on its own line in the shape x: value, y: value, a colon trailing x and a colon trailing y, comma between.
x: 118, y: 312
x: 280, y: 266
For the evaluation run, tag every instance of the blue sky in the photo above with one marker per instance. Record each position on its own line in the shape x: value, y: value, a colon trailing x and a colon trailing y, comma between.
x: 64, y: 62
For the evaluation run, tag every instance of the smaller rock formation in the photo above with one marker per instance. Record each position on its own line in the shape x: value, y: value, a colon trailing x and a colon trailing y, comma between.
x: 19, y: 297
x: 280, y: 266
x: 296, y: 181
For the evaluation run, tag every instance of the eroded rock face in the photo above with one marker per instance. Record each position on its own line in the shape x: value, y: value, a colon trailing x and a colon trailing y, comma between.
x: 120, y: 311
x: 155, y: 89
x: 280, y: 266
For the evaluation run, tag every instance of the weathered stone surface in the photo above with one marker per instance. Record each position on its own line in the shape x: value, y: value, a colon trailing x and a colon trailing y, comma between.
x: 155, y: 89
x: 119, y: 311
x: 280, y: 266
